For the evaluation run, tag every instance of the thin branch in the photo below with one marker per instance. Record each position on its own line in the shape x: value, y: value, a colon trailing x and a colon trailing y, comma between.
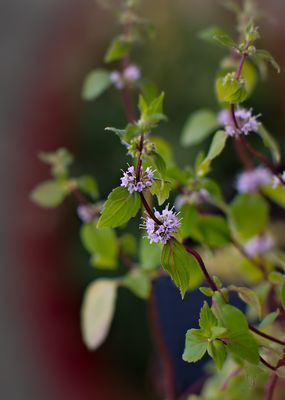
x: 270, y: 387
x: 266, y: 336
x: 148, y: 209
x: 267, y: 364
x: 209, y: 279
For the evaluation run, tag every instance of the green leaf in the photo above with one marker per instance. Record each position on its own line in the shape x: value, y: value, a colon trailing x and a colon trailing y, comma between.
x: 158, y: 162
x: 264, y: 55
x: 224, y: 40
x: 181, y: 266
x: 138, y: 282
x: 207, y: 320
x: 119, y: 208
x: 276, y: 194
x: 268, y: 320
x: 49, y: 194
x: 212, y: 230
x: 195, y: 346
x: 118, y: 48
x: 248, y: 296
x: 198, y: 126
x: 206, y: 291
x: 210, y: 34
x: 217, y: 146
x: 128, y: 244
x: 149, y: 254
x: 230, y: 90
x: 249, y: 75
x: 249, y: 212
x: 97, y: 311
x: 101, y: 243
x: 59, y: 160
x: 217, y: 350
x: 88, y: 185
x: 189, y: 217
x: 240, y: 341
x: 269, y: 142
x: 95, y: 84
x: 161, y: 190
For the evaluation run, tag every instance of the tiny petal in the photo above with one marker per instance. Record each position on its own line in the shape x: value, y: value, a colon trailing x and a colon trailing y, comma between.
x: 260, y: 244
x: 85, y: 213
x: 117, y: 80
x: 250, y: 181
x: 132, y: 73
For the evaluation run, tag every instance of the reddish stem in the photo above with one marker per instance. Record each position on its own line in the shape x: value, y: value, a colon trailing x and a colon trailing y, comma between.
x: 270, y: 387
x: 266, y: 336
x: 149, y: 210
x: 209, y: 279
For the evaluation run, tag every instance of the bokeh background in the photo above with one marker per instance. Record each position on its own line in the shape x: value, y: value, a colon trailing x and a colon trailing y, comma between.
x: 47, y: 48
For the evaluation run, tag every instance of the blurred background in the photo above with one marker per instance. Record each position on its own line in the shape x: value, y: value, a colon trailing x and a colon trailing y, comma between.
x: 47, y: 48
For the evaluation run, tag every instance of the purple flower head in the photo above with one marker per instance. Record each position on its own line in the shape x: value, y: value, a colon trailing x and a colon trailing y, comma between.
x: 250, y: 181
x: 132, y: 73
x: 260, y: 244
x: 196, y: 197
x: 117, y: 80
x: 161, y: 233
x: 245, y: 120
x: 129, y: 180
x: 86, y: 213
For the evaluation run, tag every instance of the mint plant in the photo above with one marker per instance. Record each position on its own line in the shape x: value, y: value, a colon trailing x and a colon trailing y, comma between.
x: 247, y: 348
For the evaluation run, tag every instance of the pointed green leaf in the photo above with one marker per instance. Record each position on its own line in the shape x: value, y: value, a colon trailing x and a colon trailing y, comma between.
x: 268, y: 320
x: 49, y: 194
x: 207, y: 319
x: 118, y: 48
x: 195, y: 346
x: 182, y: 266
x: 95, y: 84
x: 161, y: 189
x: 119, y: 208
x: 198, y: 126
x: 217, y: 350
x: 138, y: 282
x: 217, y: 146
x: 97, y: 311
x: 249, y: 212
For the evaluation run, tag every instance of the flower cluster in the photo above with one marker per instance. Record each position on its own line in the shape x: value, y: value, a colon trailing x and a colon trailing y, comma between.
x: 250, y: 181
x: 86, y: 212
x: 129, y: 179
x: 130, y: 75
x: 260, y: 244
x: 161, y: 233
x: 196, y: 197
x: 246, y: 121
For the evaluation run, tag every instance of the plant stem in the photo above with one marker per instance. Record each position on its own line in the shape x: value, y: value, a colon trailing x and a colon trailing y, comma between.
x: 209, y: 279
x: 168, y: 372
x: 267, y: 364
x: 270, y: 387
x: 266, y: 336
x: 259, y: 265
x: 148, y: 209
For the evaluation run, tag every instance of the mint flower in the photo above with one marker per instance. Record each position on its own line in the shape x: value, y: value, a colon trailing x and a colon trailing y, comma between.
x: 250, y: 181
x: 245, y: 120
x: 260, y: 244
x: 130, y: 75
x: 161, y: 233
x: 129, y: 179
x: 86, y: 212
x: 195, y: 197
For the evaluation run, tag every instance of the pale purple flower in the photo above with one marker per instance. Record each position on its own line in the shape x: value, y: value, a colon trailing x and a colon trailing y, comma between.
x: 117, y: 80
x: 86, y: 212
x: 129, y: 180
x: 161, y: 233
x: 260, y: 244
x: 196, y: 197
x: 250, y: 181
x: 245, y: 120
x: 132, y: 73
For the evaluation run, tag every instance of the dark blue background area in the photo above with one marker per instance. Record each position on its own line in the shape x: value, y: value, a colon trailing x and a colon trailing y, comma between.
x: 176, y: 317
